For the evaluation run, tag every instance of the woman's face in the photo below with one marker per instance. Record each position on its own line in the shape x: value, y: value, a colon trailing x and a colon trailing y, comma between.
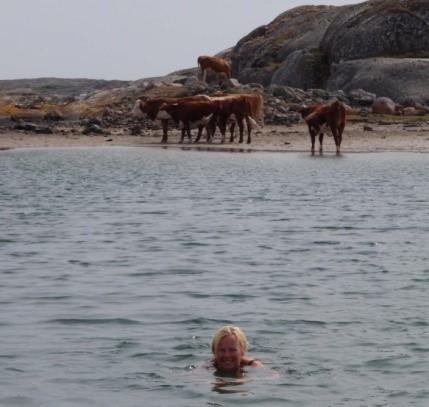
x: 228, y: 354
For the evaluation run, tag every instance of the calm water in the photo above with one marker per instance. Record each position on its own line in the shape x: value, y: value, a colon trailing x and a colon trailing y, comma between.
x: 117, y: 265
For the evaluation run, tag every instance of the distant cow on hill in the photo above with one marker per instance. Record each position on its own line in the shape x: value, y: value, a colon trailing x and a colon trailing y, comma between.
x: 216, y: 64
x: 320, y: 116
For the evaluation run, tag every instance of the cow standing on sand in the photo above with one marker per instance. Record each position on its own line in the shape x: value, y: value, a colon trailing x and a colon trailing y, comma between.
x: 255, y: 104
x: 236, y: 109
x: 150, y: 108
x: 216, y: 64
x: 224, y: 108
x: 318, y: 117
x: 189, y: 114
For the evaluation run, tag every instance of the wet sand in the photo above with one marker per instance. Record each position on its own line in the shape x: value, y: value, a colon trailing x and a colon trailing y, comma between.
x: 358, y: 137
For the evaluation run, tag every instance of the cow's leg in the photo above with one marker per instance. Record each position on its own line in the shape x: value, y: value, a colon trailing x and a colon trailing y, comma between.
x: 222, y: 128
x: 313, y: 139
x: 231, y: 130
x: 336, y: 139
x: 182, y: 137
x: 211, y: 128
x: 200, y: 132
x: 188, y: 132
x: 337, y: 144
x: 204, y: 74
x: 209, y: 132
x: 240, y: 128
x: 340, y: 139
x: 340, y: 133
x: 321, y: 143
x: 249, y: 130
x: 164, y: 124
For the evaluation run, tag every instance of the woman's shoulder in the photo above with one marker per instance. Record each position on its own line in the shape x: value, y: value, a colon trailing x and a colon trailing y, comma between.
x: 249, y: 361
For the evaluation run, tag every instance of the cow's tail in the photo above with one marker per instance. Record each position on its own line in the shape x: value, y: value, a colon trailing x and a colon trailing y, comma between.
x: 253, y: 122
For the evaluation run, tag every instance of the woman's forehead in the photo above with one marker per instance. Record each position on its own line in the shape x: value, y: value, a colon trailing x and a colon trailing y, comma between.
x: 228, y: 340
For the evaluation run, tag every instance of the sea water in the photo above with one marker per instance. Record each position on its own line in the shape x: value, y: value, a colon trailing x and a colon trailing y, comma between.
x: 118, y: 264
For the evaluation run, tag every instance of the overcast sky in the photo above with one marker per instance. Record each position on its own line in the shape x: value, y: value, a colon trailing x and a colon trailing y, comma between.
x: 124, y: 39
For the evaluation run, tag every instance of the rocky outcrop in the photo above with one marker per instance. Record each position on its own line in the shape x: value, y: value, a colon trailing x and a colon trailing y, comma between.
x: 297, y: 33
x: 384, y: 105
x: 400, y: 79
x: 60, y: 87
x: 381, y: 46
x: 379, y: 28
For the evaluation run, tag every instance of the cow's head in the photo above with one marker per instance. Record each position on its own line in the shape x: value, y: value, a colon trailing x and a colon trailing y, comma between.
x: 137, y: 109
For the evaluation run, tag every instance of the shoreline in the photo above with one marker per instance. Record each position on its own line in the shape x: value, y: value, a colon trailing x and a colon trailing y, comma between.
x: 358, y: 137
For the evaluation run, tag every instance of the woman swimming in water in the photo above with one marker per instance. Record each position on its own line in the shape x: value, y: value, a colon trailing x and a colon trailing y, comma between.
x: 229, y: 346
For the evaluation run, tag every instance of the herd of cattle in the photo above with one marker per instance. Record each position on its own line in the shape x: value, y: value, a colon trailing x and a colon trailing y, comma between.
x: 222, y: 109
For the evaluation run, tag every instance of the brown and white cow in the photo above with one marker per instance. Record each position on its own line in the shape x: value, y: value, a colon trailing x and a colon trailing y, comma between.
x: 150, y: 108
x: 190, y: 114
x: 320, y: 117
x: 255, y: 104
x: 216, y: 64
x: 237, y: 109
x: 233, y: 108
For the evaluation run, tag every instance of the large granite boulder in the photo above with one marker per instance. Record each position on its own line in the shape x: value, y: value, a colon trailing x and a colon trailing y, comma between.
x: 384, y: 105
x: 260, y: 54
x: 397, y: 78
x: 303, y: 69
x: 379, y: 28
x: 381, y: 46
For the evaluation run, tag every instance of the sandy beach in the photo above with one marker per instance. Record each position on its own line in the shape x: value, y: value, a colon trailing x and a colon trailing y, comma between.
x: 376, y: 136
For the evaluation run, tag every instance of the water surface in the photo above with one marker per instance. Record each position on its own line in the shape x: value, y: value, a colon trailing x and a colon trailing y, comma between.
x: 118, y: 264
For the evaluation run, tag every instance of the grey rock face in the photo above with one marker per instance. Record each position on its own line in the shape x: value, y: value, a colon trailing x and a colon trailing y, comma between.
x: 395, y: 78
x: 259, y: 55
x: 382, y: 28
x: 294, y: 95
x: 303, y: 69
x: 258, y: 75
x: 361, y: 97
x: 381, y: 46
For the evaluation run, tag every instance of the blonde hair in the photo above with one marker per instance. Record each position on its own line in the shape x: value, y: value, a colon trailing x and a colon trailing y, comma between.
x: 229, y: 330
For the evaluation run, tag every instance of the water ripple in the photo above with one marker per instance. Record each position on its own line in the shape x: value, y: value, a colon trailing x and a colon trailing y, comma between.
x: 93, y: 321
x: 112, y: 286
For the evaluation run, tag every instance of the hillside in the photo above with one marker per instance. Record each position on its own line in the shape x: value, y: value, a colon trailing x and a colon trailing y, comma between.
x: 307, y: 54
